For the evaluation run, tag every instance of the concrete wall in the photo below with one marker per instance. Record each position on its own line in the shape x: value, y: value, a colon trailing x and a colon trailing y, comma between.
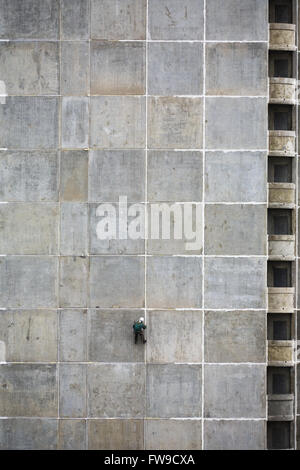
x: 158, y: 100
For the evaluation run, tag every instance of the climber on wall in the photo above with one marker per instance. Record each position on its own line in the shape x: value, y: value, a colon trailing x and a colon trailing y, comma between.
x: 138, y: 328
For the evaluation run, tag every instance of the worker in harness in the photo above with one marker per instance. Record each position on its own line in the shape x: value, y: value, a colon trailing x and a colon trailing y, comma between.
x: 138, y: 328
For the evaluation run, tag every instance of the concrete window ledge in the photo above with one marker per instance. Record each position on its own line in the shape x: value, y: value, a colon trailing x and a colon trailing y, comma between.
x: 281, y: 247
x: 281, y: 195
x: 281, y: 299
x: 282, y: 90
x: 281, y: 407
x: 282, y: 36
x: 282, y: 143
x: 280, y: 353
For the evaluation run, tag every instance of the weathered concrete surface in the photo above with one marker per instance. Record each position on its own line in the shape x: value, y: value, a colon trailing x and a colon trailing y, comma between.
x: 240, y: 392
x: 75, y: 122
x: 74, y: 175
x: 75, y: 19
x: 29, y: 335
x: 71, y: 434
x: 28, y: 434
x: 235, y: 336
x: 282, y: 90
x: 72, y: 389
x: 173, y: 390
x: 173, y: 434
x: 234, y: 435
x: 28, y: 390
x: 110, y: 434
x: 73, y: 281
x: 115, y: 390
x: 175, y: 68
x: 282, y: 36
x: 74, y: 229
x: 73, y: 335
x: 118, y: 68
x: 75, y: 68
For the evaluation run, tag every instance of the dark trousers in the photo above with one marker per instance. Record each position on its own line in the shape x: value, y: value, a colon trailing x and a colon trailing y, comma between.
x: 141, y: 334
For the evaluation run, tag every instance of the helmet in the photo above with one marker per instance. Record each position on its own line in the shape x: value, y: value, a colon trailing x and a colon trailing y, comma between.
x: 141, y: 319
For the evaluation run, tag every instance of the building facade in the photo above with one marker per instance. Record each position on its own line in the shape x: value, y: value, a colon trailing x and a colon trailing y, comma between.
x: 187, y: 103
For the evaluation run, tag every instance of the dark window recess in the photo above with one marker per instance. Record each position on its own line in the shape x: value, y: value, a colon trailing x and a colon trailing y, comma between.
x: 279, y: 326
x: 280, y: 330
x: 281, y: 68
x: 280, y: 384
x: 279, y: 435
x: 281, y: 225
x: 281, y: 121
x: 281, y: 173
x: 280, y: 277
x: 283, y: 14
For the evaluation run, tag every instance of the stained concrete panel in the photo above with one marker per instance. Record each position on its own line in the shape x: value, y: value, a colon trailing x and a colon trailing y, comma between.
x: 28, y: 176
x: 115, y: 390
x: 29, y: 123
x: 121, y: 434
x: 29, y: 335
x: 235, y: 229
x: 28, y: 229
x: 29, y: 19
x: 175, y: 122
x: 28, y: 434
x: 235, y: 336
x: 28, y: 390
x: 75, y: 18
x: 123, y: 19
x: 30, y: 68
x: 108, y: 285
x: 28, y: 282
x: 111, y: 336
x: 175, y: 68
x: 240, y: 392
x: 237, y: 169
x: 174, y: 282
x: 237, y: 20
x: 118, y: 122
x: 174, y: 176
x: 74, y: 229
x: 234, y: 435
x: 174, y: 336
x: 236, y: 123
x: 235, y: 283
x: 114, y: 173
x: 75, y: 60
x: 117, y: 68
x: 173, y: 390
x: 73, y: 281
x: 176, y: 19
x: 236, y: 69
x: 75, y: 122
x: 171, y: 434
x: 72, y: 434
x: 73, y: 335
x: 72, y: 390
x: 74, y: 175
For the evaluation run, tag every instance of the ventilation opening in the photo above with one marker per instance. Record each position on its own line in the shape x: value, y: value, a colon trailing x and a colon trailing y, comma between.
x: 279, y: 274
x: 280, y: 170
x: 281, y: 64
x: 280, y: 117
x: 279, y: 380
x: 279, y: 435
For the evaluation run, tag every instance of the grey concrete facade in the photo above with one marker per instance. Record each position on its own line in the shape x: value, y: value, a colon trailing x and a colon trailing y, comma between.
x: 161, y: 101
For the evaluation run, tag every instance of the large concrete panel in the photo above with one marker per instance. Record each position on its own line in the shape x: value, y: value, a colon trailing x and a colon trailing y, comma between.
x: 175, y: 122
x: 174, y: 336
x: 116, y: 434
x: 72, y: 434
x: 29, y: 229
x: 237, y: 20
x: 244, y: 173
x: 73, y: 335
x: 118, y: 68
x: 72, y: 390
x: 240, y: 391
x: 75, y: 60
x: 29, y: 123
x: 74, y: 229
x: 28, y: 390
x: 174, y: 176
x: 74, y: 175
x: 172, y: 434
x: 234, y: 435
x: 236, y: 123
x: 28, y: 434
x: 114, y: 173
x: 235, y: 283
x: 28, y: 176
x: 174, y: 281
x: 108, y: 285
x: 116, y: 390
x: 30, y: 68
x: 176, y: 19
x: 173, y: 390
x: 235, y: 336
x: 118, y: 122
x: 175, y: 68
x: 75, y: 19
x: 75, y: 122
x: 28, y: 282
x: 123, y: 19
x: 236, y: 69
x: 29, y: 335
x: 111, y: 336
x: 29, y: 19
x: 73, y: 281
x: 235, y: 229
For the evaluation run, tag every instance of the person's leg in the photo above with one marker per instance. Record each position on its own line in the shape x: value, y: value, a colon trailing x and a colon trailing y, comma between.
x: 135, y: 338
x: 143, y: 337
